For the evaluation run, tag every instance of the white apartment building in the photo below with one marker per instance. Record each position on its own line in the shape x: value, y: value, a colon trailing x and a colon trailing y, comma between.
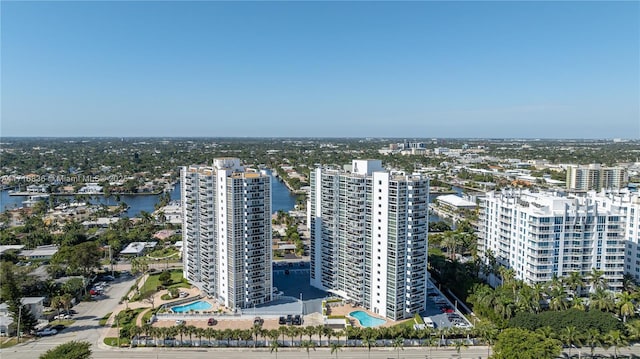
x: 369, y: 236
x: 227, y: 232
x: 628, y: 205
x: 595, y: 177
x: 540, y: 235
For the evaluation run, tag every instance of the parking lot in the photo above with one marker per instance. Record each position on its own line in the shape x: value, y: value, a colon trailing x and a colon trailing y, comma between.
x: 293, y: 280
x: 442, y: 312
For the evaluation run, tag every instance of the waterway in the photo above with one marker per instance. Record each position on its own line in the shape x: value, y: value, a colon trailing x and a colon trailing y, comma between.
x: 281, y: 197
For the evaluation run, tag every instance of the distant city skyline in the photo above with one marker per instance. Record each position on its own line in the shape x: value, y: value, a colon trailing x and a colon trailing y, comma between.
x: 321, y: 69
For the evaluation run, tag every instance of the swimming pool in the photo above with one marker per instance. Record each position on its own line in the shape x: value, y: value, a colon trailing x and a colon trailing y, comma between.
x: 199, y: 305
x: 366, y: 320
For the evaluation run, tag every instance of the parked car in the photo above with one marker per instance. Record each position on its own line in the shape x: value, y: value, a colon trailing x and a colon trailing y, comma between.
x: 297, y: 320
x: 180, y: 322
x: 212, y: 321
x: 282, y: 321
x: 258, y: 321
x: 289, y: 319
x: 183, y: 294
x: 46, y: 332
x: 58, y: 327
x: 62, y: 316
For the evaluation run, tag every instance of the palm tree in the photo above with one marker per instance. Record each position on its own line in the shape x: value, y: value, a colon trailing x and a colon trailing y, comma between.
x: 546, y: 332
x: 574, y: 282
x: 489, y: 334
x: 273, y: 334
x: 134, y: 331
x: 633, y: 328
x: 182, y: 330
x: 626, y: 307
x: 320, y: 331
x: 570, y: 337
x: 310, y: 331
x: 256, y: 330
x: 450, y: 241
x: 190, y: 331
x: 537, y: 295
x: 56, y: 302
x: 227, y: 334
x: 369, y: 342
x: 593, y: 338
x: 284, y: 330
x: 597, y: 280
x: 335, y: 348
x: 293, y: 333
x: 209, y: 333
x: 558, y: 298
x: 398, y: 344
x: 429, y: 341
x: 199, y: 333
x: 616, y: 339
x: 307, y: 345
x: 459, y: 344
x: 328, y: 332
x: 602, y: 300
x: 339, y: 334
x: 274, y: 345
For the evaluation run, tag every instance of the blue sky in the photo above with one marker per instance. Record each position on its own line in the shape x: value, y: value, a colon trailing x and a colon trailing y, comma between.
x: 335, y: 69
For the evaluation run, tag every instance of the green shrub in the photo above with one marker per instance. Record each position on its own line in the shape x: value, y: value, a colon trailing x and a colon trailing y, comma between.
x: 558, y: 320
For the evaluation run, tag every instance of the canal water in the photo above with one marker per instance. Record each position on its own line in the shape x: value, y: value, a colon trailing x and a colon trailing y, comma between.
x: 281, y: 199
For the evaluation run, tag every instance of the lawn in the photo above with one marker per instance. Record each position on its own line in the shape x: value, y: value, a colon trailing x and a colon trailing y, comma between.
x: 103, y: 321
x: 113, y: 341
x: 5, y: 343
x: 164, y: 252
x: 153, y: 282
x: 406, y: 323
x: 127, y: 317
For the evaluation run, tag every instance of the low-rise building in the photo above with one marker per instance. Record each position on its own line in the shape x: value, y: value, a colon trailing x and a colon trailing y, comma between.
x: 40, y: 252
x: 136, y: 249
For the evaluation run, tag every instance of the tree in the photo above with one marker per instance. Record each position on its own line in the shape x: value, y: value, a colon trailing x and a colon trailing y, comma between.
x: 307, y: 345
x: 165, y: 278
x: 574, y: 282
x: 593, y: 339
x: 273, y: 346
x: 616, y: 339
x: 626, y: 307
x: 489, y: 333
x: 516, y: 343
x: 150, y: 297
x: 70, y: 350
x: 570, y: 337
x: 398, y: 344
x: 369, y: 342
x: 597, y: 280
x: 11, y: 294
x: 602, y: 300
x: 335, y: 348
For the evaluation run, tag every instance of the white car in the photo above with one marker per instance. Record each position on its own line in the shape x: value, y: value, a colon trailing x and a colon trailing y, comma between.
x: 62, y: 316
x: 184, y: 294
x: 180, y: 322
x: 45, y: 332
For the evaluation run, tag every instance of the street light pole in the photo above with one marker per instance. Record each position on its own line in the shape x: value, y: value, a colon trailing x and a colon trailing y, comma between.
x: 19, y: 316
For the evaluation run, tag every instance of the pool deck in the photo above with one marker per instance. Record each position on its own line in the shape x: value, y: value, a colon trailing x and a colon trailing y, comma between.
x: 345, y: 309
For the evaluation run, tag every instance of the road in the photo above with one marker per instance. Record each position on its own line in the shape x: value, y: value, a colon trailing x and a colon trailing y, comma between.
x: 85, y: 328
x: 284, y: 353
